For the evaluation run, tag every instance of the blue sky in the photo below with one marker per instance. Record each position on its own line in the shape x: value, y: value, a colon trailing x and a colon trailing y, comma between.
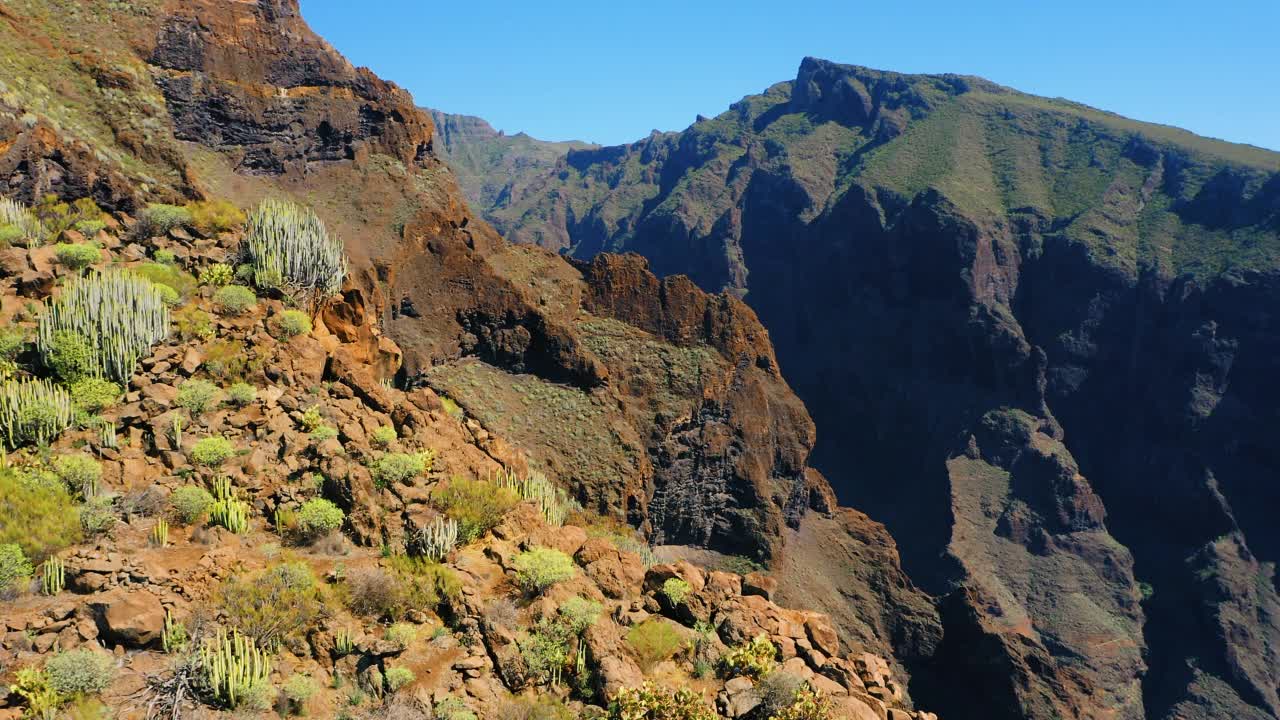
x: 611, y: 72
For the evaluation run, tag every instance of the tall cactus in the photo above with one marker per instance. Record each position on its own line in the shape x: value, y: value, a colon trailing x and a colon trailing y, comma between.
x: 554, y: 503
x: 436, y: 540
x: 287, y: 244
x: 33, y: 411
x: 121, y: 316
x: 20, y: 216
x: 227, y: 511
x: 233, y: 666
x: 53, y: 576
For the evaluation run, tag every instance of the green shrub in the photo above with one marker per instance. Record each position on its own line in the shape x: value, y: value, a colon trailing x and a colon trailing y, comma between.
x: 654, y: 641
x: 37, y: 513
x: 217, y: 275
x: 235, y: 300
x: 214, y: 216
x: 15, y: 569
x: 168, y: 275
x: 80, y: 472
x: 676, y: 590
x: 395, y: 468
x: 322, y: 433
x: 212, y: 451
x: 478, y: 506
x: 755, y: 658
x: 196, y: 395
x: 398, y: 677
x: 164, y: 257
x: 401, y: 635
x: 168, y: 295
x: 33, y: 411
x: 318, y: 517
x: 383, y: 436
x: 77, y: 256
x: 541, y: 567
x: 158, y: 219
x: 299, y: 689
x: 71, y: 356
x: 579, y: 613
x: 10, y: 235
x: 194, y: 323
x: 98, y: 516
x: 241, y: 394
x: 806, y: 704
x: 286, y: 244
x: 651, y: 702
x: 272, y: 605
x: 121, y: 315
x: 80, y: 672
x: 292, y: 323
x: 311, y: 418
x: 540, y: 707
x: 191, y: 504
x: 95, y: 394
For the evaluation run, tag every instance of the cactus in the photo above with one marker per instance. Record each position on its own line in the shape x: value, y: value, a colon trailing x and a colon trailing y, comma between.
x: 174, y: 637
x: 436, y: 540
x: 233, y: 666
x: 107, y: 434
x: 33, y: 411
x: 160, y: 533
x: 554, y: 503
x: 227, y: 511
x: 54, y: 576
x: 16, y: 214
x: 286, y: 244
x: 344, y: 643
x: 120, y: 315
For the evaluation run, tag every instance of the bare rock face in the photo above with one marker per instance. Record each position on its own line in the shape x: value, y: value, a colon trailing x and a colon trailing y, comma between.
x: 252, y: 80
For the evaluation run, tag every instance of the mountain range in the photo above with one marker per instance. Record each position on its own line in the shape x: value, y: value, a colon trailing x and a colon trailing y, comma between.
x: 1036, y: 339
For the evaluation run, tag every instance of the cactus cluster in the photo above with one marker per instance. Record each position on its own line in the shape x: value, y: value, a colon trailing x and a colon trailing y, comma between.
x: 227, y: 511
x: 434, y: 541
x: 287, y: 245
x: 160, y: 533
x: 26, y: 226
x: 554, y: 502
x: 120, y: 315
x: 53, y: 576
x: 234, y: 667
x: 33, y: 411
x: 174, y: 637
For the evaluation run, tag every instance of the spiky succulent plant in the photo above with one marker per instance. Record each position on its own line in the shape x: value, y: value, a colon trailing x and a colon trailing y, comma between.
x: 287, y: 246
x: 120, y: 315
x: 33, y: 411
x: 24, y: 223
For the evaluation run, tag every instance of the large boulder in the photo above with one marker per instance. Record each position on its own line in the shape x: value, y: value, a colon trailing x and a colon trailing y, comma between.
x: 133, y: 619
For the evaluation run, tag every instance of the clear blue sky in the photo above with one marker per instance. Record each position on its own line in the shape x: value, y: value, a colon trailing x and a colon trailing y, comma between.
x: 611, y: 71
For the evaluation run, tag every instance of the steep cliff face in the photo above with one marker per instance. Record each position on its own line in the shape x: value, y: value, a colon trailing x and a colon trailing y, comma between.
x: 1035, y: 339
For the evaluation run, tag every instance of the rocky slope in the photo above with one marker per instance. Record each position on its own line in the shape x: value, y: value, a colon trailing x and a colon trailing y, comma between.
x: 652, y: 401
x: 1035, y: 339
x: 491, y: 167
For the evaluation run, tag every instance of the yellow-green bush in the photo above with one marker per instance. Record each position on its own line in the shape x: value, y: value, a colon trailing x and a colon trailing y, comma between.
x: 214, y: 216
x: 291, y: 323
x: 653, y: 641
x: 191, y: 504
x: 77, y: 256
x: 755, y: 658
x: 217, y: 275
x: 15, y: 569
x: 541, y: 567
x: 212, y: 451
x: 318, y: 517
x: 478, y: 506
x: 37, y: 513
x: 196, y: 395
x: 272, y: 605
x: 93, y: 395
x: 80, y: 472
x: 80, y: 672
x: 395, y: 468
x: 652, y: 702
x: 235, y: 299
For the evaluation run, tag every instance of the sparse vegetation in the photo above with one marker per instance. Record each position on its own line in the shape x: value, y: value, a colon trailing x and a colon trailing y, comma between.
x: 77, y: 256
x: 15, y: 569
x: 755, y: 658
x: 212, y: 451
x: 196, y: 396
x: 214, y: 216
x: 159, y: 218
x: 80, y: 472
x: 654, y: 641
x: 651, y: 702
x: 291, y: 323
x: 676, y: 590
x: 80, y: 672
x: 38, y: 514
x: 241, y: 394
x: 217, y: 275
x: 273, y: 604
x: 318, y: 517
x: 399, y: 468
x: 235, y: 299
x: 191, y: 504
x: 541, y: 567
x: 478, y: 506
x: 383, y: 436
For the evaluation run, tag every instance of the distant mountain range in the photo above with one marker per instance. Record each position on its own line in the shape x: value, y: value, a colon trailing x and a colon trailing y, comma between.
x: 1039, y: 341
